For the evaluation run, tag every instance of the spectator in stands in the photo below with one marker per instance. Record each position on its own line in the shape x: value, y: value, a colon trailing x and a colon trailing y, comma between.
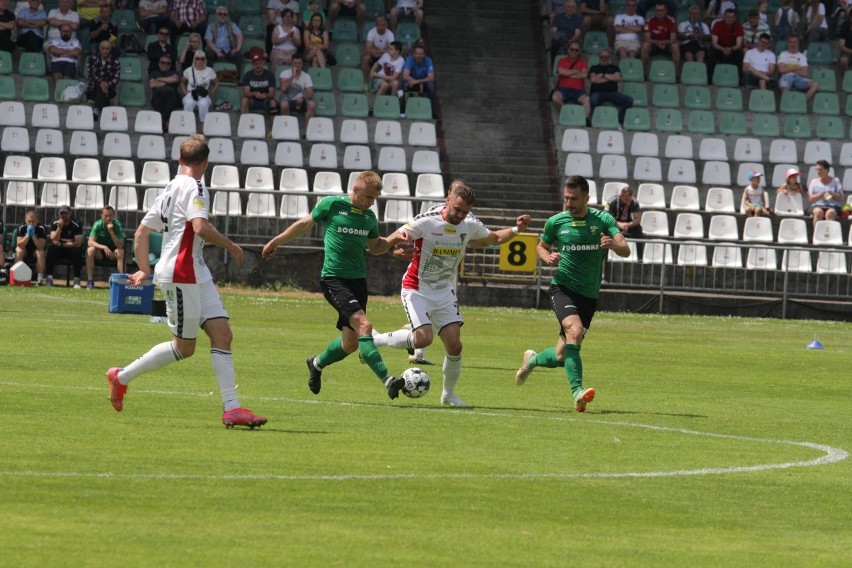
x: 316, y: 41
x: 694, y: 36
x: 555, y: 7
x: 566, y: 27
x: 286, y: 40
x: 816, y: 25
x: 386, y: 72
x: 646, y: 6
x: 64, y: 53
x: 103, y: 73
x: 786, y: 21
x: 793, y: 70
x: 102, y: 29
x: 726, y: 37
x: 349, y: 8
x: 31, y: 22
x: 825, y: 194
x: 61, y: 15
x: 157, y: 49
x: 844, y: 42
x: 596, y: 16
x: 312, y: 8
x: 258, y: 88
x: 406, y: 9
x: 628, y: 29
x: 189, y: 16
x: 296, y: 90
x: 224, y: 39
x: 627, y: 214
x: 198, y: 85
x: 755, y: 199
x: 187, y: 56
x: 763, y: 11
x: 418, y: 73
x: 759, y: 64
x: 376, y: 45
x: 603, y: 85
x: 661, y: 38
x: 571, y: 73
x: 7, y: 26
x: 90, y: 9
x: 66, y: 244
x: 164, y: 82
x: 31, y: 242
x: 275, y: 10
x: 792, y: 184
x: 716, y: 10
x: 153, y: 15
x: 753, y: 29
x: 106, y: 242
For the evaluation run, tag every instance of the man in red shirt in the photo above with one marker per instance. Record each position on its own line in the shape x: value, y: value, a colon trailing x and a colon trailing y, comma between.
x: 571, y: 72
x: 727, y: 37
x: 661, y: 38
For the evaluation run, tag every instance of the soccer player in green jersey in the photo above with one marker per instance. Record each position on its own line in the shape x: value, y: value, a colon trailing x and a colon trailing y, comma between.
x: 576, y: 241
x: 351, y: 229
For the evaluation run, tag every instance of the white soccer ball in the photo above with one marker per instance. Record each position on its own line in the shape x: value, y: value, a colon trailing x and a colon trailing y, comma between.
x: 416, y: 382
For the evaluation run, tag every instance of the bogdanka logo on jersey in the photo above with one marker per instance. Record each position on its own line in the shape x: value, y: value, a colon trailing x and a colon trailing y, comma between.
x: 570, y: 248
x: 579, y: 223
x: 353, y: 231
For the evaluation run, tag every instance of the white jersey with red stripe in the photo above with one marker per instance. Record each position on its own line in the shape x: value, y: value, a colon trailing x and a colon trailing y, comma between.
x: 438, y: 249
x: 182, y: 256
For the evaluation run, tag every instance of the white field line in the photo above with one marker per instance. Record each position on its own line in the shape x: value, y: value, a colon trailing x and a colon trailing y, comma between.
x: 830, y: 454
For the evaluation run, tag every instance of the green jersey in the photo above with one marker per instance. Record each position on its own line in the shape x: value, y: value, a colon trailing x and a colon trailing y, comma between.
x: 578, y: 240
x: 99, y: 231
x: 346, y: 232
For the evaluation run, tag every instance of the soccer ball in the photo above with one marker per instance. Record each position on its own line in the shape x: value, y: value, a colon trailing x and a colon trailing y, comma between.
x: 416, y: 382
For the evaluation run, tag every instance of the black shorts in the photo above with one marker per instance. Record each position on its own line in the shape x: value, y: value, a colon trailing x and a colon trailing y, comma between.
x: 347, y: 296
x: 568, y: 303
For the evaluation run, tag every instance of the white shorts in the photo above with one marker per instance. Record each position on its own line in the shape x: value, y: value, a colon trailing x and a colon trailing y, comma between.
x: 628, y: 44
x: 437, y: 309
x: 188, y: 306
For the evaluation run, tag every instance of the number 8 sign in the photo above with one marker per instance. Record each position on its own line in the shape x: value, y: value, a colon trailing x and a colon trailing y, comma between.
x: 518, y: 255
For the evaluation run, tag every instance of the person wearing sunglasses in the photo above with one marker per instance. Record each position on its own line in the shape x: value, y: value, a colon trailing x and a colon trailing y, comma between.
x: 571, y: 72
x: 603, y: 78
x: 162, y: 47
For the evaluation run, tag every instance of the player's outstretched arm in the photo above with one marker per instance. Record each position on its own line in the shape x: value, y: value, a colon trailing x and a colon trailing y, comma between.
x: 291, y: 233
x: 503, y: 235
x: 382, y: 245
x: 211, y: 234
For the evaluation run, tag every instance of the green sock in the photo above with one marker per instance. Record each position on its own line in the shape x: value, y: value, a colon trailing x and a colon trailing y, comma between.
x: 333, y: 353
x: 574, y: 367
x: 546, y: 358
x: 371, y: 356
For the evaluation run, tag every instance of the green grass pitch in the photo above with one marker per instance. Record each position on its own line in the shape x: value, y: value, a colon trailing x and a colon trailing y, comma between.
x: 712, y: 442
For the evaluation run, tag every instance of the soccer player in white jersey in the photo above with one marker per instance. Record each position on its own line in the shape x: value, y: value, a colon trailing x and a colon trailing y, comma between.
x: 440, y: 237
x: 192, y: 300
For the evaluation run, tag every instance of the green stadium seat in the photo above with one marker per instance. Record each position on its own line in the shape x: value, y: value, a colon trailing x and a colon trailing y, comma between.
x: 631, y: 70
x: 252, y: 25
x: 827, y: 103
x: 149, y: 39
x: 556, y: 62
x: 669, y: 120
x: 605, y: 118
x: 730, y: 99
x: 61, y: 85
x: 637, y: 120
x: 321, y: 77
x: 825, y: 78
x: 569, y: 115
x: 213, y: 4
x: 131, y: 94
x: 326, y: 105
x: 418, y: 108
x: 848, y: 106
x: 761, y: 101
x: 662, y: 71
x: 697, y: 98
x: 694, y: 73
x: 35, y: 89
x: 594, y: 42
x: 230, y: 94
x: 701, y: 122
x: 183, y: 41
x: 638, y: 91
x: 125, y: 21
x: 355, y: 105
x: 666, y: 96
x: 248, y: 7
x: 407, y: 33
x: 725, y: 75
x: 344, y: 30
x: 348, y: 55
x: 350, y: 81
x: 7, y: 88
x: 847, y: 82
x: 780, y: 45
x: 386, y: 106
x: 32, y: 64
x: 131, y: 68
x: 765, y: 125
x: 794, y: 102
x: 5, y: 63
x: 819, y: 53
x: 593, y: 59
x: 797, y: 126
x: 830, y: 127
x: 732, y: 123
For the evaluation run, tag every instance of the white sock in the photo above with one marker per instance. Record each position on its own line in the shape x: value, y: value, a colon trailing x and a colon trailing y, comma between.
x: 223, y: 367
x: 158, y: 357
x: 452, y: 371
x: 39, y: 277
x: 399, y: 339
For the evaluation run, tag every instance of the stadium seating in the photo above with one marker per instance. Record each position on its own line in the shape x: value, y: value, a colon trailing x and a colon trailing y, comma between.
x: 49, y: 141
x: 613, y: 166
x: 354, y: 131
x: 608, y: 142
x: 357, y: 157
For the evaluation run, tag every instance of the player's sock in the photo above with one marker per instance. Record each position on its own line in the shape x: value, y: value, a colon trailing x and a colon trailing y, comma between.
x: 546, y: 358
x: 332, y: 354
x: 452, y: 371
x: 399, y: 339
x: 371, y: 357
x: 574, y: 367
x: 223, y: 367
x: 157, y: 357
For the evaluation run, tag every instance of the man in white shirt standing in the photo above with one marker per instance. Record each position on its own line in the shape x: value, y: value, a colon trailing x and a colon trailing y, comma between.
x: 759, y: 64
x: 793, y: 70
x: 192, y: 301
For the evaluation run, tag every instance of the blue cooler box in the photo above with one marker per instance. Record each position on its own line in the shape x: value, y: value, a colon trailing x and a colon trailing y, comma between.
x: 127, y: 299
